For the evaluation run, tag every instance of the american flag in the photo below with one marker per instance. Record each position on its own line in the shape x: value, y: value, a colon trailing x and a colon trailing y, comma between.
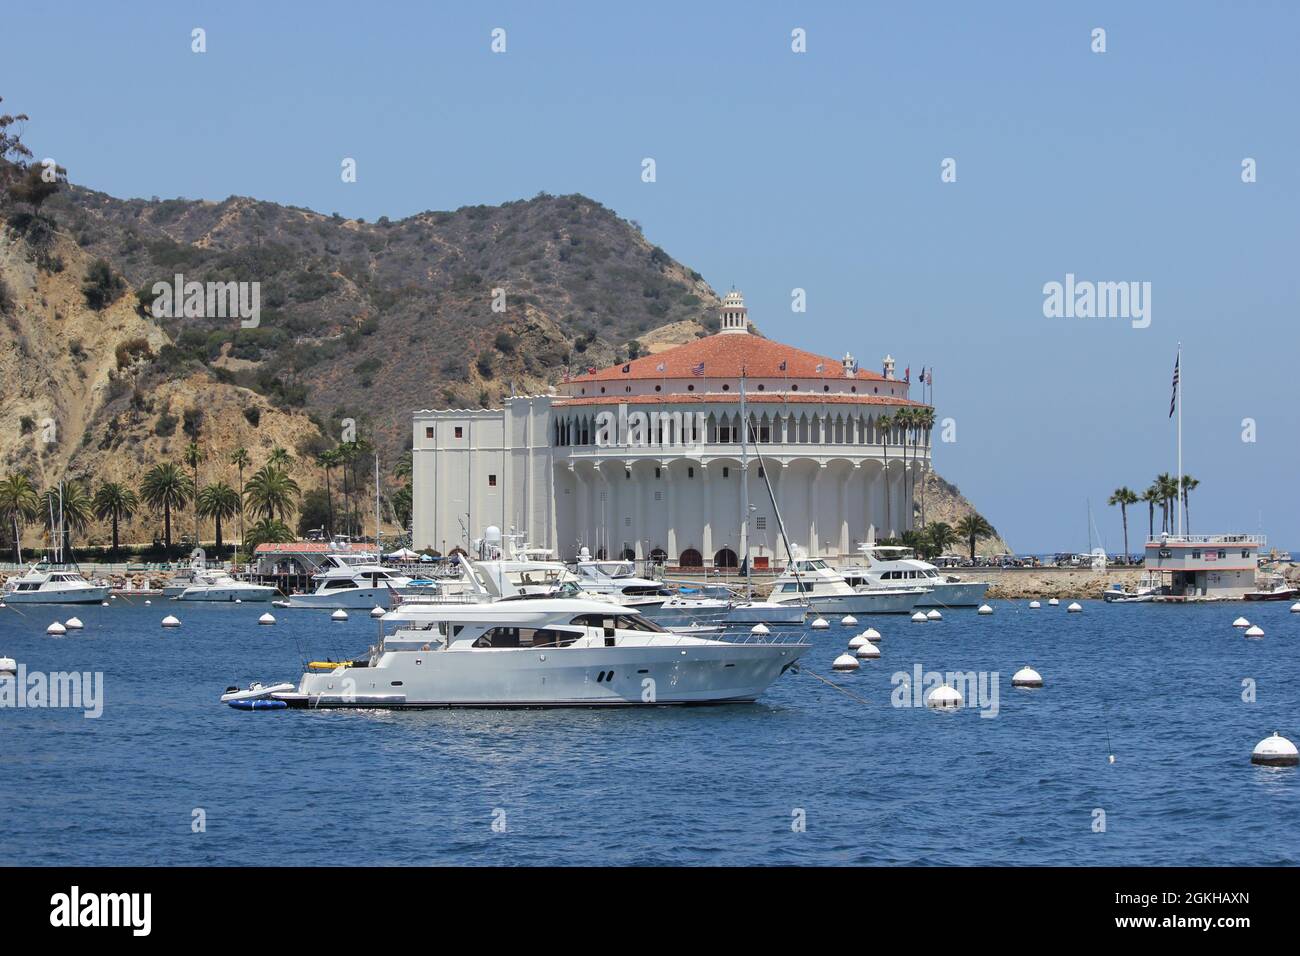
x: 821, y: 367
x: 660, y: 367
x: 1173, y: 399
x: 781, y: 367
x: 697, y: 370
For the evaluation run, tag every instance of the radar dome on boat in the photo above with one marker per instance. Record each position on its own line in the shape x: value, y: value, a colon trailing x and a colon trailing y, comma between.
x: 1254, y: 631
x: 1026, y: 677
x: 934, y: 615
x: 943, y: 698
x: 339, y: 615
x: 985, y: 609
x: 872, y: 635
x: 1075, y: 607
x: 845, y: 662
x: 1241, y: 622
x: 1034, y: 605
x: 57, y: 629
x: 171, y: 620
x: 73, y: 624
x: 377, y: 611
x: 1275, y: 751
x: 848, y: 620
x: 919, y: 617
x: 820, y: 624
x: 857, y: 641
x: 868, y: 651
x: 267, y: 618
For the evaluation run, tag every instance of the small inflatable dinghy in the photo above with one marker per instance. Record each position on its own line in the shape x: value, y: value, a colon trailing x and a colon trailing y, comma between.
x: 256, y: 691
x: 260, y: 704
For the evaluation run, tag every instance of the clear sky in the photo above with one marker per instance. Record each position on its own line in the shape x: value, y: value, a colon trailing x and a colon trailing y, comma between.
x: 820, y: 170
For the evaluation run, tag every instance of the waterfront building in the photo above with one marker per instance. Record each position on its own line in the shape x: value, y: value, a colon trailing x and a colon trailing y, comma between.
x: 1204, y: 567
x: 643, y: 460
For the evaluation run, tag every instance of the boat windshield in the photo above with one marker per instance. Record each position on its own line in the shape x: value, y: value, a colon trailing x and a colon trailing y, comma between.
x: 624, y: 622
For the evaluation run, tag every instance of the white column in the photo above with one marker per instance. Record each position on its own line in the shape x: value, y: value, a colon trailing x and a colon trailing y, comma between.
x: 670, y: 512
x: 706, y: 546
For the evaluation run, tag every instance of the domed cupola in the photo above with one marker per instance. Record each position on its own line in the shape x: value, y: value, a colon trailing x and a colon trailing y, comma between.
x: 734, y: 317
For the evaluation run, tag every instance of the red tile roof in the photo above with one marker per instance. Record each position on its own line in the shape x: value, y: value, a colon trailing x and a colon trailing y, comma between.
x: 767, y: 398
x: 723, y: 355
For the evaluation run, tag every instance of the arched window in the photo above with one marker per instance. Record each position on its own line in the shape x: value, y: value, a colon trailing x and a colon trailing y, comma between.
x: 690, y: 558
x: 725, y: 558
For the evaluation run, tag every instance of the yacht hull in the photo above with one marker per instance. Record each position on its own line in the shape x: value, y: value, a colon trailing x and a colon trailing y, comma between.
x: 343, y: 598
x: 947, y: 594
x: 226, y: 595
x: 556, y: 677
x: 90, y: 595
x: 862, y: 603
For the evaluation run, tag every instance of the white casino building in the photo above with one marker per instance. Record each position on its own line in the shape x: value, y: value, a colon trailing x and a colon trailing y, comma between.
x: 644, y: 460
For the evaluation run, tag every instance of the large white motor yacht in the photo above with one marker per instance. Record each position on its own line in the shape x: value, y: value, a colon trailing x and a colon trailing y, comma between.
x: 897, y: 566
x: 215, y: 584
x: 43, y: 584
x: 813, y: 582
x: 343, y: 582
x: 618, y: 580
x: 538, y: 652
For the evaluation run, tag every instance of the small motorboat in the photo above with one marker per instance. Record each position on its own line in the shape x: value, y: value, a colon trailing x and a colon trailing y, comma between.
x: 1147, y: 590
x: 1275, y: 588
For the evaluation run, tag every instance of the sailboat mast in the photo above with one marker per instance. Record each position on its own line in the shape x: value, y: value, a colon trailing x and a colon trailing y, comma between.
x: 379, y: 551
x: 1178, y: 500
x: 744, y: 489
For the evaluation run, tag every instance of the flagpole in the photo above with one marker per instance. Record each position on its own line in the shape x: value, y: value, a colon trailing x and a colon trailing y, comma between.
x: 1179, y: 499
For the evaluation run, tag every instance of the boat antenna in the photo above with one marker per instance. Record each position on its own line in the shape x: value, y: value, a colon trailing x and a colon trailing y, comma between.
x: 379, y: 550
x: 744, y: 491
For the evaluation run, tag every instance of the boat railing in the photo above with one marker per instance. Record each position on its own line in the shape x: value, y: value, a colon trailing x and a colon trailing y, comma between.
x: 1158, y: 540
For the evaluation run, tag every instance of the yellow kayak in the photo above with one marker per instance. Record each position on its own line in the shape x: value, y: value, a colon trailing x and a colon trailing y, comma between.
x: 326, y: 665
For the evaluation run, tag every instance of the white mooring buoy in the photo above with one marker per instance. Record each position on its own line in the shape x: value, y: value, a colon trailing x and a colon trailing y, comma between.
x: 943, y: 698
x: 760, y: 629
x: 845, y: 662
x: 105, y: 604
x: 56, y: 629
x: 1241, y: 622
x: 872, y: 635
x: 147, y: 602
x: 1034, y: 605
x: 985, y: 609
x: 339, y: 615
x: 1254, y: 631
x: 239, y: 600
x: 1275, y: 751
x: 267, y: 618
x: 934, y: 615
x: 1054, y: 601
x: 73, y: 624
x: 919, y: 617
x: 1026, y: 677
x: 857, y: 641
x: 848, y: 620
x: 1075, y: 607
x: 171, y: 620
x: 1295, y: 608
x: 868, y: 652
x: 377, y: 611
x: 820, y: 624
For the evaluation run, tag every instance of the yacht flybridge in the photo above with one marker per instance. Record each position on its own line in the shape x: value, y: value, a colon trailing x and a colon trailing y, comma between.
x: 813, y: 582
x: 344, y: 581
x: 53, y: 584
x: 535, y: 652
x: 898, y: 566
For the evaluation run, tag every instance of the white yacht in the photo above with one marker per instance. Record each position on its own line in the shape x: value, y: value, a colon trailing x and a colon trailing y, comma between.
x: 345, y: 582
x: 540, y: 652
x: 811, y: 581
x: 215, y: 584
x: 48, y: 584
x: 897, y: 566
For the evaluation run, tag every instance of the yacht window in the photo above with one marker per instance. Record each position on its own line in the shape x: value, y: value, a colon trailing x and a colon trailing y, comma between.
x: 525, y: 637
x: 339, y: 583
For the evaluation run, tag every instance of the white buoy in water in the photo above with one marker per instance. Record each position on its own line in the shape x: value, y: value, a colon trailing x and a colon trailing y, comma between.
x: 339, y: 615
x: 868, y: 652
x: 73, y: 624
x: 1241, y: 622
x: 1054, y: 601
x: 171, y: 620
x: 985, y: 609
x: 147, y: 602
x: 57, y: 629
x: 845, y: 662
x: 857, y: 641
x: 239, y: 600
x: 1034, y: 605
x: 1295, y: 608
x: 872, y: 635
x: 943, y: 698
x: 1075, y: 607
x: 934, y: 615
x: 1254, y: 631
x: 1275, y: 751
x: 919, y: 617
x: 267, y: 618
x: 820, y: 624
x: 848, y: 620
x: 377, y: 611
x: 1026, y: 677
x: 105, y: 604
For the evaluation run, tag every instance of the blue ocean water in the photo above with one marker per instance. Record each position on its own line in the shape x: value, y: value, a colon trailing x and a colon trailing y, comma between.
x: 1160, y: 687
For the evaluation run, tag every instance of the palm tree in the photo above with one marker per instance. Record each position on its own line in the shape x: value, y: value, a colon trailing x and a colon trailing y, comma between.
x: 401, y: 503
x: 192, y: 455
x: 1124, y: 496
x: 1189, y: 485
x: 218, y: 502
x: 884, y: 423
x: 280, y: 459
x: 903, y: 420
x: 924, y: 422
x: 403, y: 467
x: 267, y: 531
x: 272, y: 493
x: 114, y: 502
x: 1163, y: 483
x: 1151, y: 496
x: 66, y: 509
x: 941, y: 536
x: 166, y: 486
x: 239, y: 458
x: 328, y: 460
x: 18, y: 502
x: 972, y: 528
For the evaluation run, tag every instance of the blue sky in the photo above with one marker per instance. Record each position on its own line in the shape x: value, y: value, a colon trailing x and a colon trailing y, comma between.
x: 820, y: 171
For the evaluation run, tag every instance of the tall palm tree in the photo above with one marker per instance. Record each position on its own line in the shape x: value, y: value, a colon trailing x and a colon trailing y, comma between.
x: 114, y: 502
x: 192, y: 455
x: 403, y: 467
x: 165, y: 486
x: 903, y: 420
x: 972, y: 528
x: 883, y: 424
x: 1189, y: 485
x: 1164, y: 482
x: 67, y: 509
x: 267, y: 531
x: 280, y: 459
x: 272, y: 493
x: 1151, y: 496
x: 925, y: 422
x: 240, y: 459
x: 328, y: 460
x: 1124, y: 496
x: 941, y: 536
x: 19, y: 502
x: 218, y: 502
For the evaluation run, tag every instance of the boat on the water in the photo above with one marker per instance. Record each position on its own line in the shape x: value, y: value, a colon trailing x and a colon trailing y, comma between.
x: 345, y: 582
x: 542, y: 652
x: 812, y: 582
x: 214, y: 584
x: 898, y: 566
x: 1275, y: 588
x: 618, y: 579
x: 53, y: 584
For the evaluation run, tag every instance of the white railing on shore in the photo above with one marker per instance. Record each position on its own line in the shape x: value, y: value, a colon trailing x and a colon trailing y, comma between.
x: 1258, y: 539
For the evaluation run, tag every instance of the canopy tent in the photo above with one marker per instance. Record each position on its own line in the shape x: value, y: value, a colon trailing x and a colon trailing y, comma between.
x: 403, y: 554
